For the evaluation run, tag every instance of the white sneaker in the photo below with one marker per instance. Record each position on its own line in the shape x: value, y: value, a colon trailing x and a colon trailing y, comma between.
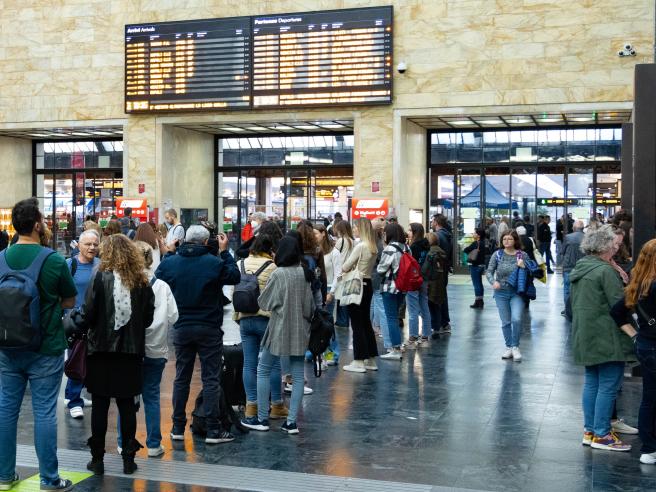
x: 516, y: 354
x: 355, y: 366
x: 87, y: 403
x: 370, y: 365
x: 507, y: 354
x: 119, y: 449
x: 622, y: 427
x: 324, y: 365
x: 77, y: 412
x: 155, y: 452
x: 306, y: 390
x: 648, y: 459
x: 394, y: 354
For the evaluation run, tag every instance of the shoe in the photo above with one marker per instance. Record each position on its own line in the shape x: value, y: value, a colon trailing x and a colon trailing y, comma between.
x: 251, y: 409
x: 177, y: 434
x: 516, y: 354
x: 77, y: 413
x: 609, y: 442
x: 587, y: 438
x: 508, y: 354
x: 435, y: 335
x: 155, y: 452
x: 446, y: 329
x: 289, y: 428
x: 97, y: 467
x: 648, y: 458
x: 129, y: 466
x: 622, y: 427
x: 278, y: 411
x: 424, y: 341
x: 119, y: 449
x: 332, y: 362
x: 550, y: 272
x: 411, y: 343
x: 218, y: 437
x: 9, y: 484
x: 370, y: 365
x: 394, y: 354
x: 87, y: 403
x: 478, y: 304
x: 256, y: 424
x: 306, y: 390
x: 355, y: 366
x: 61, y: 484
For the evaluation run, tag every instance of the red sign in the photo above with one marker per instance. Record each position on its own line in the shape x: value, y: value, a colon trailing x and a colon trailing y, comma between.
x: 139, y: 208
x: 370, y: 208
x: 142, y: 188
x: 375, y: 186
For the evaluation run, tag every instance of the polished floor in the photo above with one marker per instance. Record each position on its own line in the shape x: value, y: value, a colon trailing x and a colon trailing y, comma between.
x: 451, y: 414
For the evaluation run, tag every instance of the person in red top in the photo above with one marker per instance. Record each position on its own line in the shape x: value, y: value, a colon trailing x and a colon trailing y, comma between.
x: 247, y: 231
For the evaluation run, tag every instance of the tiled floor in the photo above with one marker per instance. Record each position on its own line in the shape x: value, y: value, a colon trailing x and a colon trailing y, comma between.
x: 451, y: 414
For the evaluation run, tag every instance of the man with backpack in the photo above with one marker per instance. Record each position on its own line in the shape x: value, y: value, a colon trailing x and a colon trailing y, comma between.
x: 445, y: 242
x: 196, y: 279
x: 32, y: 342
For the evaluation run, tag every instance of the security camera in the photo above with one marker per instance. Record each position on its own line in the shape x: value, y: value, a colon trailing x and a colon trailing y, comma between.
x: 628, y: 47
x: 627, y: 50
x: 401, y: 67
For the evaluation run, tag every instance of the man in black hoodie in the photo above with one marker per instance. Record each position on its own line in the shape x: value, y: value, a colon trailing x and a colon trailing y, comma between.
x: 445, y: 242
x: 196, y: 278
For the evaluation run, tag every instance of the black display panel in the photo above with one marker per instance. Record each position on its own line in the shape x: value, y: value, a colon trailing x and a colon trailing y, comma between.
x: 188, y: 65
x: 338, y: 57
x: 310, y: 59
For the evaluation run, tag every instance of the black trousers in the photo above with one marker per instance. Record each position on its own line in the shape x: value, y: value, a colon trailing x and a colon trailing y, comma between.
x: 445, y: 319
x: 364, y: 338
x: 127, y: 409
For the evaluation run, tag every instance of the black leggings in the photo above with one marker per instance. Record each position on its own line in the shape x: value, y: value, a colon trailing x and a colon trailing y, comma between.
x: 127, y: 409
x: 364, y: 339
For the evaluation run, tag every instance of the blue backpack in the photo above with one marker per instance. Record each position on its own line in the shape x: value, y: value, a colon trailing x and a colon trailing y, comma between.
x: 20, y: 304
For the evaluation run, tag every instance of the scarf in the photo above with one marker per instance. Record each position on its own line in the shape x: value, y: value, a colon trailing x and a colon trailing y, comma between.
x: 122, y: 303
x: 618, y: 269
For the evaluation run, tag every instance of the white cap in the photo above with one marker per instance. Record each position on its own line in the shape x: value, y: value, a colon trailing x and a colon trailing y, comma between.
x: 521, y: 230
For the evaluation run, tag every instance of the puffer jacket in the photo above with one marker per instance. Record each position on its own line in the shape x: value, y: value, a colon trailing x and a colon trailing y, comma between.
x: 99, y: 317
x: 596, y: 338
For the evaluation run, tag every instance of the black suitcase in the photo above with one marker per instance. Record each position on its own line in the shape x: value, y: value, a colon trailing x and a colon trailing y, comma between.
x: 232, y: 380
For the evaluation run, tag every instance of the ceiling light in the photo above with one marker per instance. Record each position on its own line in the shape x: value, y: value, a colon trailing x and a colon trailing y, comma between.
x: 305, y: 127
x: 489, y: 122
x: 96, y: 132
x: 281, y: 127
x: 462, y: 122
x: 257, y: 128
x: 550, y: 120
x: 331, y: 125
x: 235, y: 129
x: 517, y: 120
x: 581, y: 118
x: 37, y: 134
x: 81, y: 134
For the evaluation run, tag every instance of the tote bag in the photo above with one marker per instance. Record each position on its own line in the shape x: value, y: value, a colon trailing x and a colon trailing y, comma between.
x: 76, y: 364
x: 351, y: 287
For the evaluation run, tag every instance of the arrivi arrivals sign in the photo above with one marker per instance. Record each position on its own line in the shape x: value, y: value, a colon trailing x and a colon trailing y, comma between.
x: 370, y: 208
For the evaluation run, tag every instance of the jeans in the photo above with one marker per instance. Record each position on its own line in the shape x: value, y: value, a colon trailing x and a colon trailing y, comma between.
x: 152, y: 377
x: 364, y: 338
x: 646, y: 352
x: 599, y: 392
x: 476, y: 272
x: 436, y: 316
x: 264, y: 369
x: 44, y: 373
x: 342, y: 318
x: 252, y: 330
x: 418, y: 305
x: 545, y: 249
x: 379, y: 319
x: 73, y: 392
x: 445, y: 319
x: 511, y: 312
x: 334, y: 343
x: 207, y: 342
x: 391, y: 303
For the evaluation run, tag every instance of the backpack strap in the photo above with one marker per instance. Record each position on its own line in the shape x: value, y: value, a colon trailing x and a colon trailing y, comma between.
x: 34, y: 269
x: 398, y: 248
x: 73, y: 267
x: 153, y: 280
x: 241, y: 267
x: 263, y: 267
x: 649, y: 319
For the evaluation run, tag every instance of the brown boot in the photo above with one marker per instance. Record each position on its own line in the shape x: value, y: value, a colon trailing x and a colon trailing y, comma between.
x: 278, y: 411
x: 251, y: 409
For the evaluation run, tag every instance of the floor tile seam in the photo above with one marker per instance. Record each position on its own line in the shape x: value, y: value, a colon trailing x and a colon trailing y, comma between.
x: 233, y: 476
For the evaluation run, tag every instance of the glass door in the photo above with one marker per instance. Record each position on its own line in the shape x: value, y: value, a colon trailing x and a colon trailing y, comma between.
x: 297, y: 206
x: 468, y: 211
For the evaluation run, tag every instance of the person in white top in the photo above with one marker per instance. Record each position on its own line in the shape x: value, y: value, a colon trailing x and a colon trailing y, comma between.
x: 332, y: 261
x: 165, y: 316
x: 344, y: 245
x: 176, y: 233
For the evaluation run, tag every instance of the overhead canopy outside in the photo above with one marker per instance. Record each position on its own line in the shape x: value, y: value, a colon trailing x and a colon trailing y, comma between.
x: 493, y: 198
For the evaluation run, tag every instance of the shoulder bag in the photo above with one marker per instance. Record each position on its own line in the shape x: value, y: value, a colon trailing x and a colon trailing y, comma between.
x: 351, y: 286
x: 472, y: 256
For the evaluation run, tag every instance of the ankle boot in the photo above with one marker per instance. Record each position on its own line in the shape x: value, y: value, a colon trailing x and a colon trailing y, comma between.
x: 478, y: 303
x: 251, y: 409
x: 129, y: 451
x: 96, y: 465
x: 278, y: 411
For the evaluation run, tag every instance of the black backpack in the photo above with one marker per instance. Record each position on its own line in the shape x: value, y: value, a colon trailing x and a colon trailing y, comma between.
x: 244, y: 297
x: 322, y: 331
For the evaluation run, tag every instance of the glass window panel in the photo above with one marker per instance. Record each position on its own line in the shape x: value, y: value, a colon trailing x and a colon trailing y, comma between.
x: 255, y: 143
x: 250, y: 157
x: 273, y: 157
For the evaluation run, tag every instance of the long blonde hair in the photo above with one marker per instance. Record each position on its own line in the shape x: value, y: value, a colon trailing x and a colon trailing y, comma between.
x: 118, y: 254
x: 643, y: 275
x: 366, y: 233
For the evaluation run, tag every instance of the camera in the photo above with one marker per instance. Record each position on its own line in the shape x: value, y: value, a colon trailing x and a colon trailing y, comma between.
x: 401, y: 67
x: 627, y: 50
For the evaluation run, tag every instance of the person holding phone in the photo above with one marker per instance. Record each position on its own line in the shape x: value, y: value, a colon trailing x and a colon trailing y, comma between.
x: 509, y: 303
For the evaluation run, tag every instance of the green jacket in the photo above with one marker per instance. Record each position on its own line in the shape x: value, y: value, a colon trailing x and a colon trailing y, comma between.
x: 596, y: 338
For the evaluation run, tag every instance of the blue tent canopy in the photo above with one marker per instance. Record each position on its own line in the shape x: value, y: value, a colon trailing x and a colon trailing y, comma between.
x: 493, y: 198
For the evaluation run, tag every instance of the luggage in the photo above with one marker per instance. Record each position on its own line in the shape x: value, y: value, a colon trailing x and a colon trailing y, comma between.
x: 232, y: 380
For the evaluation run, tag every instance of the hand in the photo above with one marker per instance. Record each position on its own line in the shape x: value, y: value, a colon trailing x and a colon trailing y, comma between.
x: 496, y: 285
x: 223, y: 242
x: 521, y: 264
x: 329, y: 298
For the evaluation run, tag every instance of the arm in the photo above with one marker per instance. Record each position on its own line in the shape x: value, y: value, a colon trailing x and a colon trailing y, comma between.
x: 622, y: 317
x: 491, y: 269
x: 171, y: 307
x: 269, y: 298
x: 386, y: 262
x: 471, y: 247
x: 337, y: 269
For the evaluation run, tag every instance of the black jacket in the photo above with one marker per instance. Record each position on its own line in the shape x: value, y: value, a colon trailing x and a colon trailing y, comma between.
x: 623, y: 315
x: 419, y: 250
x: 482, y: 255
x: 99, y: 317
x: 544, y: 233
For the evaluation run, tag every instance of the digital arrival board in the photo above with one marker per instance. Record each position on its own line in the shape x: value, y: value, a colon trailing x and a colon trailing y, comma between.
x: 338, y: 57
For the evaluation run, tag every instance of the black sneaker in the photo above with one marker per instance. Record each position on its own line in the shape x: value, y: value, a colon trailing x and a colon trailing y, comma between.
x: 255, y: 424
x: 177, y: 434
x: 61, y: 484
x: 289, y: 428
x: 218, y: 437
x: 9, y: 484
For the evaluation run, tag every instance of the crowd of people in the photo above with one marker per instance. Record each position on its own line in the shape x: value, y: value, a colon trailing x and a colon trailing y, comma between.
x: 126, y: 287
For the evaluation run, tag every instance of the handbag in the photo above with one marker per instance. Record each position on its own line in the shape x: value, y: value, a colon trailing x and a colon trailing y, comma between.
x: 350, y: 287
x: 542, y: 265
x: 76, y: 364
x: 472, y: 256
x: 322, y: 331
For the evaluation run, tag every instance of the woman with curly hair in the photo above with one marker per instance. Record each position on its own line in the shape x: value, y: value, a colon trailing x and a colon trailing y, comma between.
x: 112, y: 228
x: 119, y: 305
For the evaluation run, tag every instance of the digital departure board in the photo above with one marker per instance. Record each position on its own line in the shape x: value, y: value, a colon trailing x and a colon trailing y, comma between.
x: 323, y: 58
x: 189, y: 65
x: 337, y: 57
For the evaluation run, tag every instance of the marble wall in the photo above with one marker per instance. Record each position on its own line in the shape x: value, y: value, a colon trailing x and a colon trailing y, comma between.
x: 65, y: 64
x: 16, y: 161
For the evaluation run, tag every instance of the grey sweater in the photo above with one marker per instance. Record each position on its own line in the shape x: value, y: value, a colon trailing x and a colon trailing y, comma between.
x: 500, y: 269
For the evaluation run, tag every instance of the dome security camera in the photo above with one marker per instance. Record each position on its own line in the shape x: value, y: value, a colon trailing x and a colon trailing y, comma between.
x: 627, y: 50
x: 401, y: 67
